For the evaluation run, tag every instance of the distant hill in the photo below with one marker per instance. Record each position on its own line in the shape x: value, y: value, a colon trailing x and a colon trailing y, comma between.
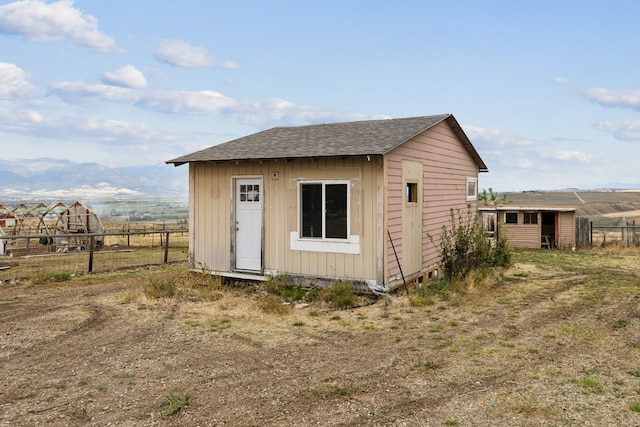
x: 603, y: 207
x: 54, y: 179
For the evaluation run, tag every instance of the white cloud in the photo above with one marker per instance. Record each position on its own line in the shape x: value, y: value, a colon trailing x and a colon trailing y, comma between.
x: 497, y: 137
x: 270, y: 112
x: 628, y: 130
x: 79, y: 92
x: 116, y: 132
x: 561, y: 80
x: 615, y: 98
x: 566, y: 156
x: 127, y: 76
x: 58, y: 21
x: 183, y: 54
x: 13, y: 82
x: 281, y: 112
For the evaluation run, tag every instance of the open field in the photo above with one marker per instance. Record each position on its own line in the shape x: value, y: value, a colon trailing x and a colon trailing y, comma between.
x: 554, y: 341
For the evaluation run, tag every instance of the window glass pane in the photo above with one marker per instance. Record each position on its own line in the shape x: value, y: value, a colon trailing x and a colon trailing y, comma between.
x: 490, y: 223
x: 412, y: 192
x: 530, y: 218
x: 471, y: 189
x: 311, y: 212
x: 511, y: 218
x: 336, y: 206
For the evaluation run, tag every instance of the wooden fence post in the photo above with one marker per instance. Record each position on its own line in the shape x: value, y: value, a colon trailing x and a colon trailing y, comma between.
x: 166, y: 248
x: 92, y: 241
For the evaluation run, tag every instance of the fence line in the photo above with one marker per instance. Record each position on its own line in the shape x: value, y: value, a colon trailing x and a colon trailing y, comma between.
x: 78, y: 253
x: 588, y: 234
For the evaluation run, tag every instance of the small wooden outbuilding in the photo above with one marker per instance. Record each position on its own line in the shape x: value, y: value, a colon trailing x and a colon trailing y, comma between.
x: 353, y: 201
x: 531, y: 227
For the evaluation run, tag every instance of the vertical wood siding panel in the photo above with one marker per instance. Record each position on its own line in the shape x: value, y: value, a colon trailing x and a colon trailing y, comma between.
x: 566, y: 230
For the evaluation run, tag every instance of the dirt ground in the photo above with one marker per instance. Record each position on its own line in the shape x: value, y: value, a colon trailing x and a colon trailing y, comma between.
x: 556, y: 343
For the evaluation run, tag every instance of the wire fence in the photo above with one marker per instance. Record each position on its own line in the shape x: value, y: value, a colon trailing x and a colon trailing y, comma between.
x: 589, y: 234
x: 24, y: 257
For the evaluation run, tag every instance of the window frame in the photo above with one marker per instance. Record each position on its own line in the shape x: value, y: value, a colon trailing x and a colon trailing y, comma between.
x: 470, y: 181
x: 510, y: 223
x: 411, y: 189
x: 529, y: 215
x: 323, y: 184
x: 349, y: 245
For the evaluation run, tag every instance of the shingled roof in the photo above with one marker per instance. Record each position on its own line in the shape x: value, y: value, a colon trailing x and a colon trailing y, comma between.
x: 372, y: 137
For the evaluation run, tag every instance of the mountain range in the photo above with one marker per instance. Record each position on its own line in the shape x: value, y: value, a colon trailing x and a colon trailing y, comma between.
x: 46, y: 179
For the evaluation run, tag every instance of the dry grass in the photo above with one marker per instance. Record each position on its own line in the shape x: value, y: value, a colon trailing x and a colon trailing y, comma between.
x: 555, y: 340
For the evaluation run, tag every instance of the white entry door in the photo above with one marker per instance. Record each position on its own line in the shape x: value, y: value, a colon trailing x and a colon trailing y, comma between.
x: 249, y: 224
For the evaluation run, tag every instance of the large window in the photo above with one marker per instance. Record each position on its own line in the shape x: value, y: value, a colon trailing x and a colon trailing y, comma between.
x: 324, y: 210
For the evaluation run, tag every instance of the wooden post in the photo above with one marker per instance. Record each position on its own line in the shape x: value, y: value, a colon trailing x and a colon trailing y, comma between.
x: 166, y: 248
x: 591, y: 233
x: 92, y: 241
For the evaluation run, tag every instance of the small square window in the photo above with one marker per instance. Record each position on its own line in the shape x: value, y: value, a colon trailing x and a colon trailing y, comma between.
x: 412, y: 192
x: 511, y: 217
x: 472, y: 188
x: 530, y: 218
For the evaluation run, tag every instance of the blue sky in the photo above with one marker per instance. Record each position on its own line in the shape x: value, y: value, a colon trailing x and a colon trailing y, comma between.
x: 547, y: 91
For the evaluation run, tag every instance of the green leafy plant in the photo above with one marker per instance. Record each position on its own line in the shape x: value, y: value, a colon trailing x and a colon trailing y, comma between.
x: 489, y: 198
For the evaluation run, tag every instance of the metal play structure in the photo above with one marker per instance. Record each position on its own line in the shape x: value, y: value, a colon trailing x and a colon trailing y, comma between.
x: 54, y: 227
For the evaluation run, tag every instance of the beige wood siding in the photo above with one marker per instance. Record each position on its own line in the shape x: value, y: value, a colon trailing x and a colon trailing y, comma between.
x: 523, y: 236
x: 211, y: 202
x: 446, y: 167
x: 566, y: 230
x: 412, y: 216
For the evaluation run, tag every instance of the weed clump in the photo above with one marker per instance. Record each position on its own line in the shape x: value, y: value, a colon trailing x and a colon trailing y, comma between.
x: 278, y: 285
x: 174, y: 402
x: 181, y: 283
x: 422, y: 296
x: 272, y: 304
x: 341, y: 294
x: 55, y: 276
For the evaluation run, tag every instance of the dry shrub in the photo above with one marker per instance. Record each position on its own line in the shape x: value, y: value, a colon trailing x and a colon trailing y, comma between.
x: 272, y: 304
x: 181, y: 283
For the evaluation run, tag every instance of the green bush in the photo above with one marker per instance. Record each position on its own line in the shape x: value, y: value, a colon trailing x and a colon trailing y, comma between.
x: 464, y: 248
